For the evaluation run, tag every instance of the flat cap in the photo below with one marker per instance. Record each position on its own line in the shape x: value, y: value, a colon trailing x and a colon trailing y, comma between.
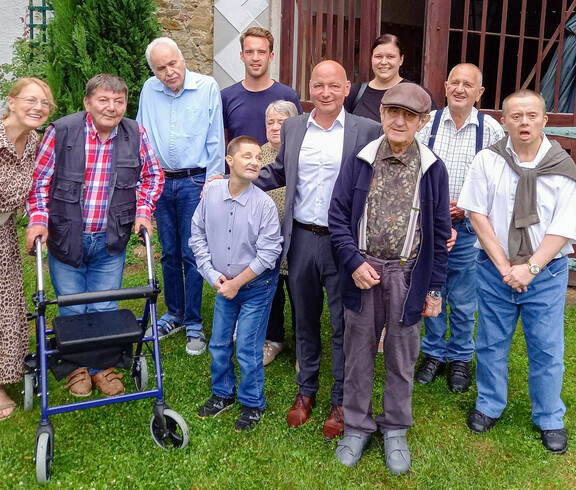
x: 409, y: 96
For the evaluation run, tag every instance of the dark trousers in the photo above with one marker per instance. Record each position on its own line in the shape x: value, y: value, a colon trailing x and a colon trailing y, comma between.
x: 312, y: 269
x: 381, y: 307
x: 276, y: 331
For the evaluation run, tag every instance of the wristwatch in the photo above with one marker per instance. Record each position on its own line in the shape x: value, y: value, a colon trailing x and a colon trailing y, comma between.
x: 534, y: 269
x: 435, y: 294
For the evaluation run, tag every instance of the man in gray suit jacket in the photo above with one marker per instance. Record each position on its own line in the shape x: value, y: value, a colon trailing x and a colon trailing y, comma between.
x: 313, y: 147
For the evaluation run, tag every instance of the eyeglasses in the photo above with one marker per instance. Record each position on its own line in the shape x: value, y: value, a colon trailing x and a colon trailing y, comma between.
x: 32, y: 101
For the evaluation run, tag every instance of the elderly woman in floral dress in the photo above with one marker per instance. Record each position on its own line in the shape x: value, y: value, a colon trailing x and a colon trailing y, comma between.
x: 28, y: 106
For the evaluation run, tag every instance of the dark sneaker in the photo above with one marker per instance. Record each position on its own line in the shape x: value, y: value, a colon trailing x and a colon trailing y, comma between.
x: 196, y: 345
x: 428, y: 370
x: 215, y: 406
x: 458, y: 376
x: 556, y: 441
x: 248, y: 419
x: 479, y: 422
x: 167, y: 325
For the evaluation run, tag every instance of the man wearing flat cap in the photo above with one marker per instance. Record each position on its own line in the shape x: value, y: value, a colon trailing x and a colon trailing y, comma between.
x: 389, y: 221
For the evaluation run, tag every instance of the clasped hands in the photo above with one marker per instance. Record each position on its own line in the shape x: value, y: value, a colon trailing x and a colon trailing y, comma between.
x: 518, y: 277
x: 226, y: 287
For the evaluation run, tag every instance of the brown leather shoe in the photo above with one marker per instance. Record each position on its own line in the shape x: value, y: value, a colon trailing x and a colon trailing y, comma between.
x: 108, y: 382
x: 79, y: 382
x: 300, y: 411
x: 334, y: 424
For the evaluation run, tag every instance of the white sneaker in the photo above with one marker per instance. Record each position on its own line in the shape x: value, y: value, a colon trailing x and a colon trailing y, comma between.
x: 196, y: 345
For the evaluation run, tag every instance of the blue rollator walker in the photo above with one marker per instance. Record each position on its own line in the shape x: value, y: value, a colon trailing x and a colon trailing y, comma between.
x: 76, y: 334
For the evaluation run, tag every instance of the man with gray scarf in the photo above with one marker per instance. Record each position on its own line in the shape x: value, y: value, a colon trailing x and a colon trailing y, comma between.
x: 521, y: 194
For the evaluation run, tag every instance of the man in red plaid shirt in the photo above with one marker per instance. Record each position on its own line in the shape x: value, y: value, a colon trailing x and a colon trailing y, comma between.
x: 96, y: 178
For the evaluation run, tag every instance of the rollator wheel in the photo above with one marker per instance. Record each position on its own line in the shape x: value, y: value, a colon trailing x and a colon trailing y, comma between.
x: 28, y: 391
x: 178, y: 433
x: 141, y: 373
x: 43, y: 457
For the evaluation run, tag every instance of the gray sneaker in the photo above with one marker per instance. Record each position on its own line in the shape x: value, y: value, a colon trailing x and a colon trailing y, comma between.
x: 396, y: 451
x: 350, y: 448
x: 196, y: 345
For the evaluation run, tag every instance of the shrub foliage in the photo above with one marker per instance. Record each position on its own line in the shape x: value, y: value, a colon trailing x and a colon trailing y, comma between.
x: 87, y: 37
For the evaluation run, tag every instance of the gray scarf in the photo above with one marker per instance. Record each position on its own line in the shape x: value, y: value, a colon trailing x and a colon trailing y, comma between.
x: 555, y: 162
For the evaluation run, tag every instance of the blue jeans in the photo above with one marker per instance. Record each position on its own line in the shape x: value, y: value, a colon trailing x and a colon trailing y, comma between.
x: 182, y: 281
x: 98, y: 271
x: 460, y: 292
x: 541, y: 309
x: 251, y: 308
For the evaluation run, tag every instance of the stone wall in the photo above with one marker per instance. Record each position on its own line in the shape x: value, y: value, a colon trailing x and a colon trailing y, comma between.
x: 191, y: 24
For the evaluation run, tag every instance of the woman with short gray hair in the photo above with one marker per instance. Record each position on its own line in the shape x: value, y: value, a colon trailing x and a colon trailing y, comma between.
x: 276, y: 113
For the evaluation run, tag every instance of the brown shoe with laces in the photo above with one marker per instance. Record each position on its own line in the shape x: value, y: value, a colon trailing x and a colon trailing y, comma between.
x: 79, y: 382
x: 300, y: 411
x: 334, y: 424
x: 108, y: 382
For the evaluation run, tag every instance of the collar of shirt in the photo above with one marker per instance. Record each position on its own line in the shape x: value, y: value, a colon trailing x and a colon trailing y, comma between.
x: 93, y: 132
x: 471, y: 119
x: 339, y: 119
x: 405, y: 159
x: 545, y: 145
x: 190, y: 83
x: 242, y: 198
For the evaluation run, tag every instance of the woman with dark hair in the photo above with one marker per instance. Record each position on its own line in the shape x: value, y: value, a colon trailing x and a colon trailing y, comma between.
x: 28, y: 106
x: 387, y: 58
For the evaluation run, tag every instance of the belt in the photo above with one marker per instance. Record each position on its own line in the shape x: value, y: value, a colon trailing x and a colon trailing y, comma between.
x: 180, y: 174
x: 317, y: 230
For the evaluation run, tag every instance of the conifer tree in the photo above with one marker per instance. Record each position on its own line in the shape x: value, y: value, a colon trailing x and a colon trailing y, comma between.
x: 87, y: 37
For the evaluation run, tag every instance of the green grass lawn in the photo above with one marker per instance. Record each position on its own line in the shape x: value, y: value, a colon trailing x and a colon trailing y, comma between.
x: 111, y: 447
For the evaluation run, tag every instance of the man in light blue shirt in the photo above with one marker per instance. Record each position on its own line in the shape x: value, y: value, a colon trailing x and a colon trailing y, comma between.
x: 182, y: 113
x: 236, y: 240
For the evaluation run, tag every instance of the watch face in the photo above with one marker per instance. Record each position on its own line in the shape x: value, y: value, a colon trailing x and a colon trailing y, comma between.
x: 534, y: 269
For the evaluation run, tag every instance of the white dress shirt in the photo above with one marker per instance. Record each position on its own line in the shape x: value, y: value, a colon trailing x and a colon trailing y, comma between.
x: 318, y: 167
x: 490, y: 190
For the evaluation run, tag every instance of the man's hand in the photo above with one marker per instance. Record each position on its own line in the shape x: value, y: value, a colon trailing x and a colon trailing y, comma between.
x: 221, y: 280
x: 228, y: 289
x: 518, y: 277
x: 452, y: 240
x: 365, y: 276
x: 214, y: 177
x: 32, y: 232
x: 432, y: 307
x: 143, y: 222
x: 455, y: 212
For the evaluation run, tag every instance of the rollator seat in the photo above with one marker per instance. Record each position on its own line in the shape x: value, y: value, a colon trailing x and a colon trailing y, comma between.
x: 77, y: 333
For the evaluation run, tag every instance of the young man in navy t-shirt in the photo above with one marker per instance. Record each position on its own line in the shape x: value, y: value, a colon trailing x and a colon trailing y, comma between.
x: 244, y: 103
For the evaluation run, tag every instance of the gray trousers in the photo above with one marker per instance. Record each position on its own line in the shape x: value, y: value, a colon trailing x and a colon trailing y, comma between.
x: 381, y: 307
x: 312, y: 269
